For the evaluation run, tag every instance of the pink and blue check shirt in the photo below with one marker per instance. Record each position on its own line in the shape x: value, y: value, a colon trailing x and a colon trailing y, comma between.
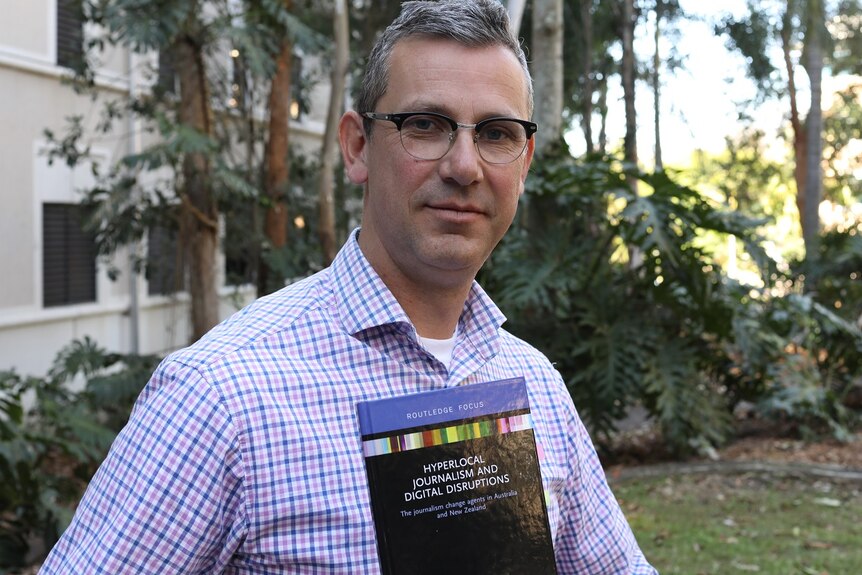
x: 243, y: 456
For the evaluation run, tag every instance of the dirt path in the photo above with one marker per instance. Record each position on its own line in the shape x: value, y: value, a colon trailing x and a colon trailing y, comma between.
x: 826, y: 459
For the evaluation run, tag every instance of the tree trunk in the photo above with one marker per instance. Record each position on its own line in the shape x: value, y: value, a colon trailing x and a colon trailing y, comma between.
x: 603, y: 112
x: 200, y: 213
x: 628, y: 80
x: 630, y: 145
x: 587, y: 63
x: 656, y: 86
x: 796, y: 125
x: 330, y: 150
x: 813, y: 128
x: 547, y: 57
x: 276, y: 165
x: 547, y: 70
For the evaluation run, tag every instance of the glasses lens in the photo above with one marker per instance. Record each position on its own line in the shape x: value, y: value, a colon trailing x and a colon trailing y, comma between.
x: 426, y: 137
x: 502, y: 141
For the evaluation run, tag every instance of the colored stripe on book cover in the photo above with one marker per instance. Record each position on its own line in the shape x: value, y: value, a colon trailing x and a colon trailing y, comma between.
x: 445, y: 435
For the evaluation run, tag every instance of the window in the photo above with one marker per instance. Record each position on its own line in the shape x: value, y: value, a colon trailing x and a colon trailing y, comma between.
x: 164, y: 262
x: 68, y: 256
x: 238, y: 80
x: 239, y: 246
x: 167, y: 78
x: 70, y: 34
x: 297, y: 101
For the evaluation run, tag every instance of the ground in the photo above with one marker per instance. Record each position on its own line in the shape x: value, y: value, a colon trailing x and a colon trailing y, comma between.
x: 823, y: 452
x: 756, y: 442
x: 638, y: 451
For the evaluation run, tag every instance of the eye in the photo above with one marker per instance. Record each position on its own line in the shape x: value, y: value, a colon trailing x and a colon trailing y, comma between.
x: 429, y: 125
x: 502, y: 131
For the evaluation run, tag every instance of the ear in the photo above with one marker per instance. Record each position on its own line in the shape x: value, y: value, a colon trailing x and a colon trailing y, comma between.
x: 354, y: 144
x: 528, y: 160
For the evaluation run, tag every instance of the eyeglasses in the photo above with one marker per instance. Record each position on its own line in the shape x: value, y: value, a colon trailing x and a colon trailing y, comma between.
x: 430, y: 136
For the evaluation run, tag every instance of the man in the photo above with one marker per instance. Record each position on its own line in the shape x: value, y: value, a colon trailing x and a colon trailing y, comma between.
x: 243, y: 454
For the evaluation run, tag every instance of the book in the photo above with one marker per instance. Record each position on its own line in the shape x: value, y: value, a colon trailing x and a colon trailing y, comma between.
x: 454, y: 482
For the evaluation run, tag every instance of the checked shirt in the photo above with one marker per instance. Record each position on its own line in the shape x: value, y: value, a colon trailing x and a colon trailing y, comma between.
x: 242, y: 454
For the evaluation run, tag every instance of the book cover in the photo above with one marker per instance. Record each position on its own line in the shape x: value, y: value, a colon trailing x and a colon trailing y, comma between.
x: 454, y: 482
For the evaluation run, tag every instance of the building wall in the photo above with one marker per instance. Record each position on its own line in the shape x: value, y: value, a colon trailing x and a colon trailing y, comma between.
x: 34, y: 99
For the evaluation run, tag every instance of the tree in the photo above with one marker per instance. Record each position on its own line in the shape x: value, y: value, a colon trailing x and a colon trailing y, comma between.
x: 338, y: 77
x: 199, y: 219
x: 591, y: 29
x: 813, y: 61
x: 184, y: 125
x: 586, y: 22
x: 547, y: 70
x: 842, y: 129
x: 628, y: 73
x: 798, y: 24
x: 191, y: 166
x: 666, y: 13
x: 656, y: 83
x: 276, y: 164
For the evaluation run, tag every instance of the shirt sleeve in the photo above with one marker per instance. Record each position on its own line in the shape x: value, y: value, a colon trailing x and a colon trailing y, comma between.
x: 594, y: 535
x: 168, y: 498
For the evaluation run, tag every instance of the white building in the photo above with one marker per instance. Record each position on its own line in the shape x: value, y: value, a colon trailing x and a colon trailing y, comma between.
x: 53, y: 289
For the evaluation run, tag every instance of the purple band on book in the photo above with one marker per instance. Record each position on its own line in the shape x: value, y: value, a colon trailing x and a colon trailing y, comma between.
x: 433, y: 407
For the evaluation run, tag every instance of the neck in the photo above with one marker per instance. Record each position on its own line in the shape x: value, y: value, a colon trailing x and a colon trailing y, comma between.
x: 435, y: 315
x: 433, y: 299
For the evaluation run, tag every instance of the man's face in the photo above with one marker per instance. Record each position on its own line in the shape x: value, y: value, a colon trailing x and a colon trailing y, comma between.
x: 434, y: 223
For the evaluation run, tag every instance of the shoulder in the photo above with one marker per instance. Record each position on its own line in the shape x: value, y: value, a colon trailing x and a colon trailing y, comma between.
x: 549, y: 396
x: 252, y: 340
x: 533, y: 361
x: 261, y: 321
x: 554, y: 412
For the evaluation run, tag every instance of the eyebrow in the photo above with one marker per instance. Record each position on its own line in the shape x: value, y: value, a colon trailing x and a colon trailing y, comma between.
x: 425, y: 106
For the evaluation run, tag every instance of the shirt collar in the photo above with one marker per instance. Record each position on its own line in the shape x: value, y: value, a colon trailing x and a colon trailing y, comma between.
x: 364, y: 301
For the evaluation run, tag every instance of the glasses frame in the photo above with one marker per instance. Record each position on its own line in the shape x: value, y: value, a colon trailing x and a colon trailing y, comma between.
x: 399, y: 118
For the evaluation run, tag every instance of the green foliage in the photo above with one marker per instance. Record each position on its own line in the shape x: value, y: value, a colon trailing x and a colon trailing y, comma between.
x: 835, y: 275
x: 140, y: 24
x: 147, y: 189
x: 745, y: 178
x: 846, y: 28
x: 842, y: 129
x: 809, y: 366
x: 52, y: 439
x: 621, y: 291
x: 751, y: 35
x: 820, y: 330
x: 243, y: 242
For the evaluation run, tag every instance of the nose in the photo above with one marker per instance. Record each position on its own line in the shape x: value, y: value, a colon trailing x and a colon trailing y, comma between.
x: 462, y: 164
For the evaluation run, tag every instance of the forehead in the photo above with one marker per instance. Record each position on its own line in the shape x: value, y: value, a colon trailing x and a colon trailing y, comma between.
x: 447, y: 76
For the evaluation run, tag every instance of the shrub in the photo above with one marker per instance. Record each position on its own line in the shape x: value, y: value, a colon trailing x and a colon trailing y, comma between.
x: 626, y: 295
x: 52, y: 439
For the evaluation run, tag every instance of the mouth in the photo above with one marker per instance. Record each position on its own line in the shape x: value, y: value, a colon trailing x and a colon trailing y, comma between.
x: 456, y: 213
x: 456, y: 208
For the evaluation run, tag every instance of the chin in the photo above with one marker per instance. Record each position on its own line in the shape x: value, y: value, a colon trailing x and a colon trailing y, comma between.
x: 453, y: 258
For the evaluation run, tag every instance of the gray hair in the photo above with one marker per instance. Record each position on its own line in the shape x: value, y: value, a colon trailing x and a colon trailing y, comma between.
x: 473, y: 23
